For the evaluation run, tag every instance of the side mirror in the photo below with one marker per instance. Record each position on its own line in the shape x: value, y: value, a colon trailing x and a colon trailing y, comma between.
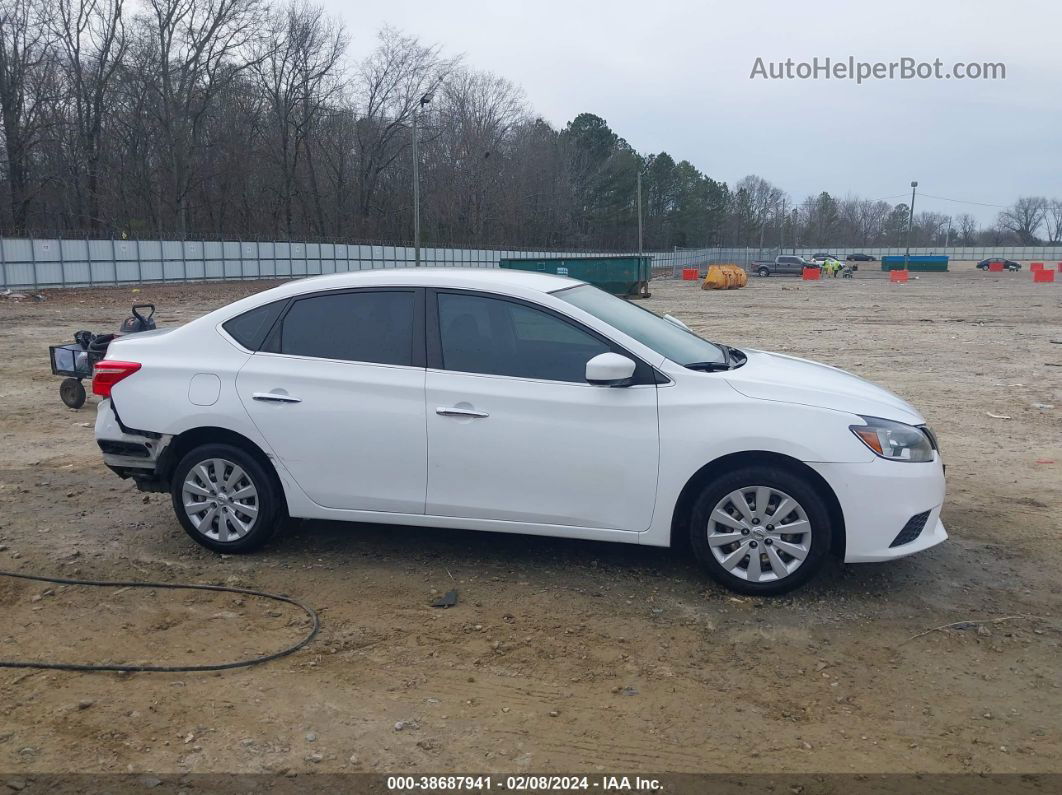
x: 609, y: 369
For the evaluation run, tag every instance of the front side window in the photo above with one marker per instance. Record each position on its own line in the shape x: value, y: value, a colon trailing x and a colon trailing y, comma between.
x: 372, y: 326
x: 498, y: 337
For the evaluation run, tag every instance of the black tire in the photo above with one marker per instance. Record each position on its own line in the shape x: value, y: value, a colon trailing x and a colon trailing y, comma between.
x: 267, y: 500
x: 763, y: 272
x: 72, y: 393
x: 800, y: 489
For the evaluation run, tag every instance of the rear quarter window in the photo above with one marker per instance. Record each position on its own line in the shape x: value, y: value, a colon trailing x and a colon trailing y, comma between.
x: 250, y: 328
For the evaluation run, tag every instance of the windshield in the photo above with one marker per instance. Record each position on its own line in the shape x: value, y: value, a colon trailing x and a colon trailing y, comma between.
x: 664, y: 337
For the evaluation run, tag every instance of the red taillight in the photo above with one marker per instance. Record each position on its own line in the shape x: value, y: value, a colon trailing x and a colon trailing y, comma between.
x: 108, y: 373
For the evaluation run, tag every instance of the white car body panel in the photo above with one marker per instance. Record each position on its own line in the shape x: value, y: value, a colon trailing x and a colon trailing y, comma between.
x: 557, y: 459
x: 788, y: 379
x: 355, y: 440
x: 549, y: 452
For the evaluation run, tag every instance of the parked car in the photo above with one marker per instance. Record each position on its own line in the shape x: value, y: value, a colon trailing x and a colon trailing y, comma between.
x: 1008, y: 264
x: 822, y: 256
x: 514, y: 402
x: 859, y: 257
x: 782, y: 265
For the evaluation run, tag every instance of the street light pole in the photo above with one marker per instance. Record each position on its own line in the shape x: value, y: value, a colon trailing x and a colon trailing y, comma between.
x: 424, y: 100
x: 910, y: 224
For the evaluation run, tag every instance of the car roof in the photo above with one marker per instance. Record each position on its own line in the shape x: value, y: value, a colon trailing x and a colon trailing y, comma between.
x: 510, y: 282
x: 436, y: 277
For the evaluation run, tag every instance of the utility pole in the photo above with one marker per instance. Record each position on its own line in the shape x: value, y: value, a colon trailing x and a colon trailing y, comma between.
x: 910, y: 224
x: 424, y: 100
x: 639, y: 209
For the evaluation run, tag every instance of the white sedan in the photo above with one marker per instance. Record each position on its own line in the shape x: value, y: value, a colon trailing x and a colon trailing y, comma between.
x: 520, y: 403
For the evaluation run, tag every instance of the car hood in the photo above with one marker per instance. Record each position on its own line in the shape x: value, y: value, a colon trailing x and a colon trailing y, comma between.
x: 787, y: 379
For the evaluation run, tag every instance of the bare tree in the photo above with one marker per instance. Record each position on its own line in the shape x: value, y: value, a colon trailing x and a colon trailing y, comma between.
x: 1024, y: 218
x: 763, y: 200
x: 872, y: 215
x: 27, y: 83
x: 1053, y: 221
x: 298, y: 68
x: 477, y: 114
x: 198, y: 47
x: 92, y: 36
x: 388, y: 88
x: 968, y: 229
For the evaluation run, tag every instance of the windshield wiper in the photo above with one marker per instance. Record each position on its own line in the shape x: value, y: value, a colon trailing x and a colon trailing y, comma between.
x: 728, y: 362
x: 708, y: 367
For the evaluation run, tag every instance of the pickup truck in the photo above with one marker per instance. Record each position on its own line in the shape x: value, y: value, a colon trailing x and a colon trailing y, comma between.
x: 782, y: 265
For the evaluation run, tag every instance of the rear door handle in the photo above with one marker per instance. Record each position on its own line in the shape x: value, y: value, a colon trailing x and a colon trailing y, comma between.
x: 443, y: 411
x: 275, y: 397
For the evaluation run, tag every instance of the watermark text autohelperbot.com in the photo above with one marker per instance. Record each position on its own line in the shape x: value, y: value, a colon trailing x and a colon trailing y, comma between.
x: 849, y: 68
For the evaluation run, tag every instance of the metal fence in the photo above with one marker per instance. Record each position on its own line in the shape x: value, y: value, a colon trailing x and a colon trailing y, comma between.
x: 743, y: 256
x: 38, y: 263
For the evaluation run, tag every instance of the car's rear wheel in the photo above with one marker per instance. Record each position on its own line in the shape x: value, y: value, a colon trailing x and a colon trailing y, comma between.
x: 764, y: 272
x: 225, y: 499
x: 760, y: 530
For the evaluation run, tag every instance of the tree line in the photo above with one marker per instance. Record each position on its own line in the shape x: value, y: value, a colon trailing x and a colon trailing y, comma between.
x: 242, y: 119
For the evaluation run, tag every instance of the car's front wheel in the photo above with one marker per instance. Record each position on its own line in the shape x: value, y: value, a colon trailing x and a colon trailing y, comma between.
x: 760, y: 530
x: 225, y: 499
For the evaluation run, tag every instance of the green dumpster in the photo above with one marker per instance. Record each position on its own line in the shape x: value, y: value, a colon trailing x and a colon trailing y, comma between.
x: 922, y: 262
x: 620, y: 275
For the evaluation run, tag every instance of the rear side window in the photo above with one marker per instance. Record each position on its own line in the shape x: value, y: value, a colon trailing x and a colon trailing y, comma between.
x: 250, y: 328
x: 373, y: 326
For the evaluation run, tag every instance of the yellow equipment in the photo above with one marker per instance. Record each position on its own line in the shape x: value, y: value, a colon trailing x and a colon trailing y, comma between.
x: 725, y: 277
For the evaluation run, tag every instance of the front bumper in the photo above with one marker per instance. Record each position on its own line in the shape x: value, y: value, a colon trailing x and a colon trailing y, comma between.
x: 879, y: 498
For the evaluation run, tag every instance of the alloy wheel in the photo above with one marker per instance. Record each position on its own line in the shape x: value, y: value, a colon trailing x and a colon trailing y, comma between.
x: 220, y: 500
x: 759, y: 534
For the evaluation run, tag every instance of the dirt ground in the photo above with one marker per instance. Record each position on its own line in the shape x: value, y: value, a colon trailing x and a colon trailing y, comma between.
x: 562, y: 655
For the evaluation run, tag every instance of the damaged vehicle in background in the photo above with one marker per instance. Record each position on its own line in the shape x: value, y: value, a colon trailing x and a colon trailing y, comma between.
x: 521, y: 403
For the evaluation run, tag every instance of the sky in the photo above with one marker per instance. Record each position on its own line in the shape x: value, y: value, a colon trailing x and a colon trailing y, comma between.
x: 674, y: 76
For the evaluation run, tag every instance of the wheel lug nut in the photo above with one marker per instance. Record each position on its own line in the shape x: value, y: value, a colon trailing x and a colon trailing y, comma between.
x: 755, y: 521
x: 744, y: 531
x: 770, y: 527
x: 752, y: 544
x: 767, y: 541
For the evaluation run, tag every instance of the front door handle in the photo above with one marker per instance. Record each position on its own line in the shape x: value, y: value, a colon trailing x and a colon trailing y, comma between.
x: 443, y: 411
x: 275, y: 397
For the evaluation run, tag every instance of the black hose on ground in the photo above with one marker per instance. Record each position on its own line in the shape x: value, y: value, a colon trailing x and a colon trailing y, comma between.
x: 115, y: 667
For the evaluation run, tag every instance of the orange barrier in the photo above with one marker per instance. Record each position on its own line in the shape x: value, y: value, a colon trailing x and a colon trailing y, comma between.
x: 995, y: 267
x: 1060, y: 267
x: 1043, y: 276
x: 811, y: 274
x: 1036, y: 266
x: 691, y: 274
x: 899, y: 277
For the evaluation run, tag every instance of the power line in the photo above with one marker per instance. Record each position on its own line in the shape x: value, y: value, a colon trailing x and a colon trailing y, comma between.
x: 964, y: 201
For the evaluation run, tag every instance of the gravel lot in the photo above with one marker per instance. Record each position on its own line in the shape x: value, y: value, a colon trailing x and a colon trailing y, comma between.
x: 562, y: 655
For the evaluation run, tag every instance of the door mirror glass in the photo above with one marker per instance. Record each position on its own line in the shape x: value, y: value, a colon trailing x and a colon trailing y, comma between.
x: 609, y: 369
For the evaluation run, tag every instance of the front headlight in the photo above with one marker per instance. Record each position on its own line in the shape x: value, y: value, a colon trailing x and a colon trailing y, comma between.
x: 895, y: 441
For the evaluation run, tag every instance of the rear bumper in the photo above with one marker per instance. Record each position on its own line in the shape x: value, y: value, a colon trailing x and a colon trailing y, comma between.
x: 129, y: 453
x: 879, y: 498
